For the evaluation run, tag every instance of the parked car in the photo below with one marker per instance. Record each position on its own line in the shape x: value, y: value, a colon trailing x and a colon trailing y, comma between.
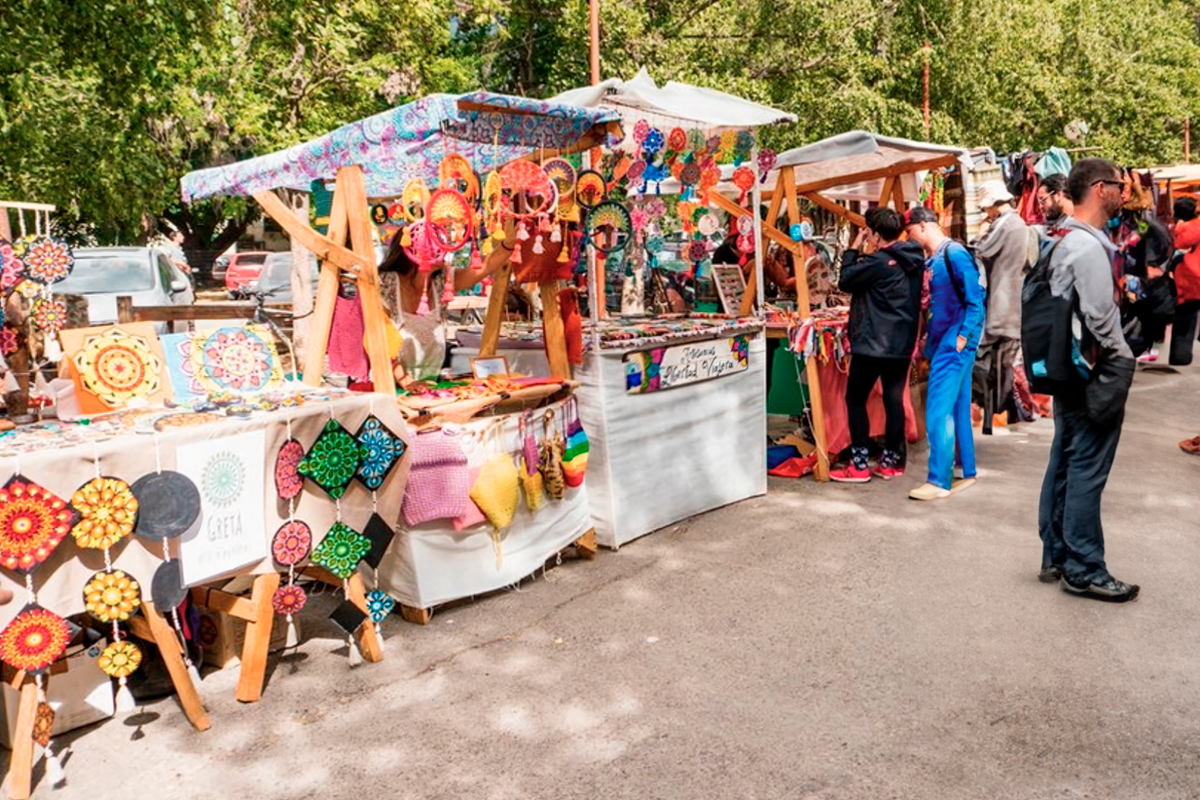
x: 243, y: 268
x: 219, y: 268
x: 275, y: 280
x: 102, y: 274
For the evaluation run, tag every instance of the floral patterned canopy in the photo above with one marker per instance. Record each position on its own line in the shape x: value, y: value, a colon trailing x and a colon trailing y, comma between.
x: 408, y: 142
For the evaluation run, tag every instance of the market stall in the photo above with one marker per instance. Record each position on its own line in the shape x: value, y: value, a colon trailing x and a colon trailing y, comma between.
x: 457, y: 179
x: 675, y: 402
x: 842, y: 175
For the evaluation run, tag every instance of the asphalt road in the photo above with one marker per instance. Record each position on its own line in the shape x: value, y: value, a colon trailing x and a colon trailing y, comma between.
x: 821, y: 642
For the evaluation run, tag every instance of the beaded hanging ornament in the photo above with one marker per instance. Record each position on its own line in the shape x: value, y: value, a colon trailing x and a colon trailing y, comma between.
x: 292, y: 542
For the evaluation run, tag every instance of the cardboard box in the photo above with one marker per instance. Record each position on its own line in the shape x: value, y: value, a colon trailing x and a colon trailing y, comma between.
x: 222, y: 635
x: 76, y: 688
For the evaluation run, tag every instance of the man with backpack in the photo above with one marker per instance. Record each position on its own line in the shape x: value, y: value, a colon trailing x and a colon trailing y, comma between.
x: 956, y: 298
x: 1071, y: 326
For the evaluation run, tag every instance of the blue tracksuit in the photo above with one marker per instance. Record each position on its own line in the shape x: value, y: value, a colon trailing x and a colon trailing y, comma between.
x: 956, y: 295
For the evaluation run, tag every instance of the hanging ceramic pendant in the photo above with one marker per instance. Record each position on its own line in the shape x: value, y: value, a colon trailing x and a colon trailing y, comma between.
x: 333, y: 459
x: 48, y: 260
x: 341, y: 550
x: 292, y: 543
x: 382, y: 450
x: 168, y: 505
x: 34, y: 639
x: 380, y: 535
x: 33, y: 522
x: 167, y: 589
x: 112, y: 596
x: 288, y: 480
x: 107, y: 511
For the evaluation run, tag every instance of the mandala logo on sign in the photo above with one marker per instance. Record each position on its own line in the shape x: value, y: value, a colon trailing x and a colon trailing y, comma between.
x: 222, y: 479
x: 117, y: 367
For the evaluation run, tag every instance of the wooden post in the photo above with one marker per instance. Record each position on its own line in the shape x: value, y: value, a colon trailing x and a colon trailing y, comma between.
x: 821, y: 470
x: 253, y: 670
x: 556, y: 340
x: 353, y: 186
x: 490, y: 340
x: 153, y: 627
x: 302, y: 289
x: 20, y: 770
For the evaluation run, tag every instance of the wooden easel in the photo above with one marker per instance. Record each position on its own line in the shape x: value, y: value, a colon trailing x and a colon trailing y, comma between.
x: 348, y: 216
x: 150, y: 626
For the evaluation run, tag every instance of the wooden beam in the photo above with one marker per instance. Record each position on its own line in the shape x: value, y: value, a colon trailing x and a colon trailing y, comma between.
x: 888, y: 184
x: 821, y: 470
x: 354, y: 186
x: 495, y: 310
x: 555, y: 339
x: 20, y: 768
x: 215, y: 599
x: 725, y: 204
x: 327, y: 289
x: 899, y: 168
x: 749, y: 294
x: 898, y: 195
x: 834, y: 207
x: 169, y: 648
x: 326, y: 248
x: 253, y: 670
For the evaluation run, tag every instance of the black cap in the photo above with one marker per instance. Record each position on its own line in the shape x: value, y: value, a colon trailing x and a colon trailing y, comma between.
x: 919, y: 214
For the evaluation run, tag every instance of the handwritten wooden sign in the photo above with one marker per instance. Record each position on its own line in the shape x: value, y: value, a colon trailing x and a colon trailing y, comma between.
x: 678, y: 365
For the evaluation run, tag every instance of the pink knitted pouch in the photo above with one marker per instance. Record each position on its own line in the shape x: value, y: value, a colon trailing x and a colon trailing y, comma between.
x: 438, y: 479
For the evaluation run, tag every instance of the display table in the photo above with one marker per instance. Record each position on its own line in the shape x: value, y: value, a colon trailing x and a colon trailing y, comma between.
x: 663, y: 456
x: 434, y: 563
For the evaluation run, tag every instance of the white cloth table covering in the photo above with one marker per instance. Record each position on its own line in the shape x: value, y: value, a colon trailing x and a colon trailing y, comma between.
x: 662, y: 457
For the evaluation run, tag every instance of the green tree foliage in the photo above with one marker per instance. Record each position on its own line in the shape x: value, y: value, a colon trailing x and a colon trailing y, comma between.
x: 105, y: 105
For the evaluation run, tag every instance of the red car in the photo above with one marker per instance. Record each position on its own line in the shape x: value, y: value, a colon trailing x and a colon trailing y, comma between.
x: 244, y: 268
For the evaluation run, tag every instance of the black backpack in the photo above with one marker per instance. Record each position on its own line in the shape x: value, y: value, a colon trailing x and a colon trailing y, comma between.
x: 1046, y: 335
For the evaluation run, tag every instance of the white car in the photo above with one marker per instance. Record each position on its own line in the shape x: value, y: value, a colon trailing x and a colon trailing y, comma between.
x: 102, y: 274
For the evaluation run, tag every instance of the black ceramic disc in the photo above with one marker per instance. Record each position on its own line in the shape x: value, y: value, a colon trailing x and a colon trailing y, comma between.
x: 168, y: 505
x: 381, y: 535
x: 167, y: 589
x: 348, y: 617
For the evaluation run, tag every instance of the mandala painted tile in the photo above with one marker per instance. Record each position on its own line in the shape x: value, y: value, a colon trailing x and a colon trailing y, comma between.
x: 117, y: 367
x: 288, y: 599
x: 33, y: 521
x: 107, y: 512
x: 111, y: 596
x: 379, y: 605
x: 382, y: 449
x: 120, y: 659
x: 34, y: 639
x: 234, y: 359
x: 288, y: 480
x: 48, y: 260
x: 333, y: 459
x: 341, y: 550
x: 291, y: 543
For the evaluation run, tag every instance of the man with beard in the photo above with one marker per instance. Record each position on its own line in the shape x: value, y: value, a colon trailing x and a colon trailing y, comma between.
x: 1053, y: 200
x: 1081, y: 269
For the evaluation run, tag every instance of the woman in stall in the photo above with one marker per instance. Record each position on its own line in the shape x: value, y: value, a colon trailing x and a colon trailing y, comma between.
x: 413, y: 299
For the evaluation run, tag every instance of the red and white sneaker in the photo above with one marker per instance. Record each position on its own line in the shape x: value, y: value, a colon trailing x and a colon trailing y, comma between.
x: 850, y: 474
x: 887, y: 473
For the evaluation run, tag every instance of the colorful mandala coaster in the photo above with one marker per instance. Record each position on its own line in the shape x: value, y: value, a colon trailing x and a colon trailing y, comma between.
x: 111, y: 596
x: 118, y: 367
x: 166, y: 588
x: 348, y: 617
x: 234, y: 360
x: 33, y: 521
x: 288, y: 599
x: 49, y: 315
x: 379, y: 605
x: 288, y: 480
x: 382, y: 449
x: 168, y: 505
x: 107, y: 512
x: 48, y: 260
x: 291, y: 543
x: 120, y: 659
x: 34, y: 639
x: 341, y: 550
x: 333, y: 459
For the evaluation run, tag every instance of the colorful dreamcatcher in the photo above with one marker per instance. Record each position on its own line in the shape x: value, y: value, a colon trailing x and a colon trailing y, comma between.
x: 744, y: 179
x: 47, y: 260
x: 745, y: 239
x: 652, y: 145
x: 426, y: 244
x: 413, y: 199
x: 677, y: 141
x: 560, y: 171
x: 455, y: 173
x: 33, y: 522
x: 450, y: 212
x: 528, y: 179
x: 590, y: 188
x: 118, y: 367
x: 697, y: 253
x: 609, y: 227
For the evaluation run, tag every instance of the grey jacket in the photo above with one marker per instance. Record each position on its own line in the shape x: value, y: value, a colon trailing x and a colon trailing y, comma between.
x: 1004, y: 251
x: 1082, y: 266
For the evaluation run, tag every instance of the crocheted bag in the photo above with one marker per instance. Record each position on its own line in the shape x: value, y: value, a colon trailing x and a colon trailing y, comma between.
x: 495, y: 491
x: 531, y: 478
x: 551, y: 458
x: 575, y: 456
x: 437, y: 479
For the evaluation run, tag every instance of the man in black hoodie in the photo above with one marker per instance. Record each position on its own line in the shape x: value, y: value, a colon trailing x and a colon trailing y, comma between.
x: 885, y: 303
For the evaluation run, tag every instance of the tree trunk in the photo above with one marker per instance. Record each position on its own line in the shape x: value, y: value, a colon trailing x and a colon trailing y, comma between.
x: 302, y: 295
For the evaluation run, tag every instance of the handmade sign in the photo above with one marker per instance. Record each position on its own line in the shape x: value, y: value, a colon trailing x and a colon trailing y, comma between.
x: 231, y: 535
x: 115, y: 365
x: 668, y: 367
x: 241, y: 360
